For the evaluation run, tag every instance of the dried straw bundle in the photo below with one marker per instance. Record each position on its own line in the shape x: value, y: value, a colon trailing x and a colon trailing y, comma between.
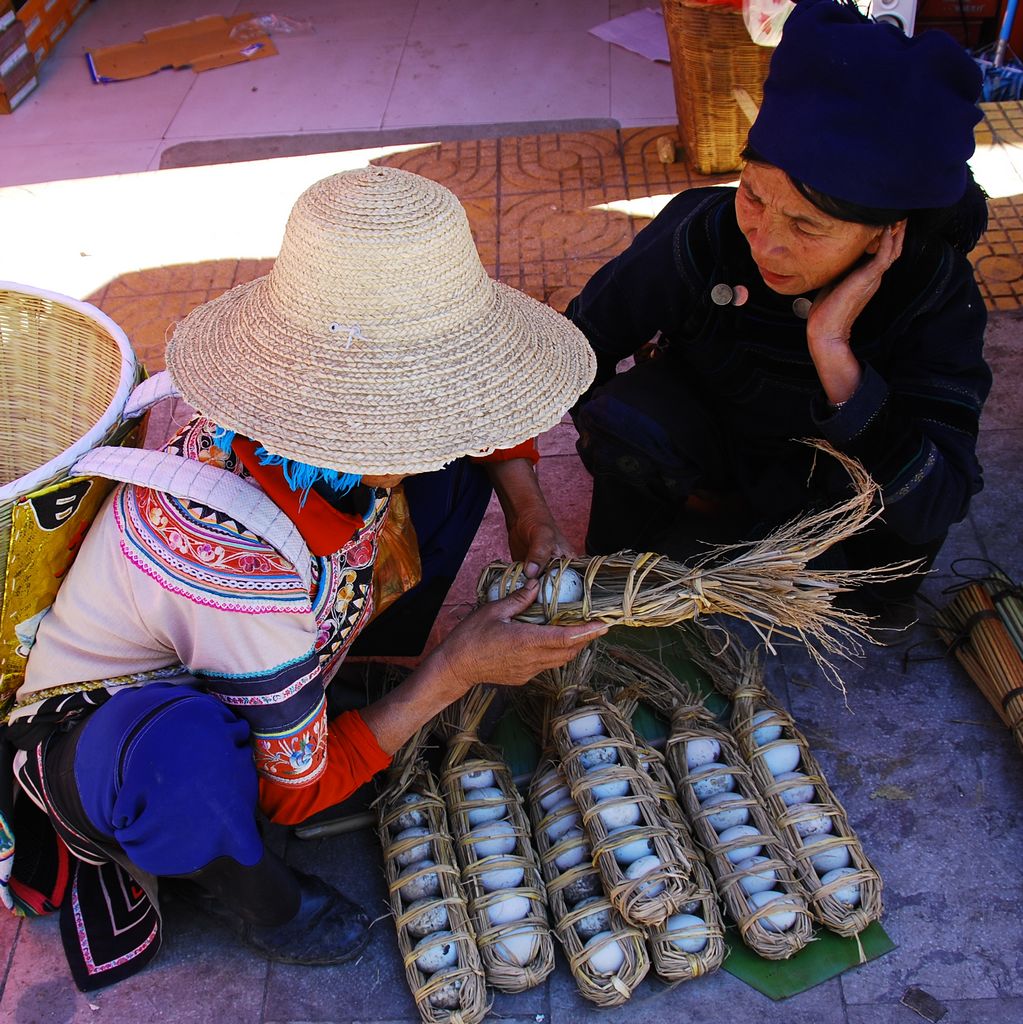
x: 455, y: 995
x: 727, y: 856
x: 800, y: 800
x: 706, y: 941
x: 766, y: 583
x: 598, y: 752
x: 981, y: 637
x: 507, y: 899
x: 581, y: 911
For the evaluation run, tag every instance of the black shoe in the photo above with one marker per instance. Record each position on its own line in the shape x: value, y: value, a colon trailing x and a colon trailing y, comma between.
x: 328, y: 928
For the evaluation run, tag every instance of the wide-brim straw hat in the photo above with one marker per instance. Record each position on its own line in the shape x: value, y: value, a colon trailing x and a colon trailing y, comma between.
x: 377, y: 344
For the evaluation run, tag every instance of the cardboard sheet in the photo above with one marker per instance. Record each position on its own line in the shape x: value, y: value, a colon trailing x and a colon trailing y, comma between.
x: 201, y: 44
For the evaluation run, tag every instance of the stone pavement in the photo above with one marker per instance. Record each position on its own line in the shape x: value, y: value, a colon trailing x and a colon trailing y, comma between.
x: 927, y: 773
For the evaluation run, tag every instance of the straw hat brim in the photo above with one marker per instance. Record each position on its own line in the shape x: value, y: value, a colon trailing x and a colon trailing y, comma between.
x: 375, y: 400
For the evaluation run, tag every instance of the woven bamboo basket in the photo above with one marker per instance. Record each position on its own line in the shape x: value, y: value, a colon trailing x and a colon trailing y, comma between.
x: 671, y: 961
x: 718, y: 73
x: 67, y: 370
x: 510, y: 921
x: 692, y: 723
x: 821, y: 821
x: 579, y: 906
x: 452, y: 995
x: 598, y: 753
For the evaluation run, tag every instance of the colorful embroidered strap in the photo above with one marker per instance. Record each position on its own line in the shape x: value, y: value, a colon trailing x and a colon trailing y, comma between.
x: 214, y: 487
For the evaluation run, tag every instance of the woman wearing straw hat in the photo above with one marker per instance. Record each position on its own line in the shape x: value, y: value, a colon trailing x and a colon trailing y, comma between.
x: 827, y: 297
x: 179, y: 679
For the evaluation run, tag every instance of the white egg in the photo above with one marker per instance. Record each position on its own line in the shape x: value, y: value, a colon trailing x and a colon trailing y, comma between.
x: 581, y: 727
x: 555, y: 797
x: 420, y: 851
x: 492, y: 837
x: 415, y: 815
x: 479, y: 778
x: 710, y: 778
x: 726, y: 817
x: 432, y: 916
x: 740, y: 852
x: 582, y: 888
x: 493, y: 809
x: 438, y: 951
x: 632, y: 849
x: 517, y: 946
x: 605, y: 957
x: 687, y: 932
x: 447, y: 997
x: 702, y: 751
x: 815, y: 825
x: 830, y: 856
x: 576, y: 849
x: 604, y: 790
x: 781, y: 919
x: 494, y: 590
x: 766, y: 733
x: 798, y: 791
x: 561, y: 818
x: 566, y: 583
x: 782, y: 758
x: 603, y: 755
x: 501, y: 878
x: 427, y: 884
x: 643, y: 867
x: 618, y: 815
x: 847, y: 894
x: 512, y: 908
x: 754, y: 880
x: 598, y: 920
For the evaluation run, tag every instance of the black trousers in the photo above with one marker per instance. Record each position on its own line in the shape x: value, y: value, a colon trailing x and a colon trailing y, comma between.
x: 657, y: 450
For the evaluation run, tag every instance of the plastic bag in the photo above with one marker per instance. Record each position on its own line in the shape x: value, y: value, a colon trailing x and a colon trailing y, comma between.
x: 765, y: 18
x: 270, y: 24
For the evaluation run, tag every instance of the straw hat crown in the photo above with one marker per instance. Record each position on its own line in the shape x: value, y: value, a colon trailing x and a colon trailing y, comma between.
x: 378, y: 344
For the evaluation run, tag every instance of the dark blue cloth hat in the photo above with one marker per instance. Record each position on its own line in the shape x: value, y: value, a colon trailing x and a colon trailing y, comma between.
x: 857, y: 110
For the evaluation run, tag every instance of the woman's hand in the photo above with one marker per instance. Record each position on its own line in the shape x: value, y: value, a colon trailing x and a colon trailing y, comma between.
x: 489, y: 647
x: 534, y: 538
x: 835, y: 309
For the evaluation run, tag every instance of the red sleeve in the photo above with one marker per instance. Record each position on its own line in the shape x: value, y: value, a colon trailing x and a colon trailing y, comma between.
x: 353, y: 757
x: 526, y: 450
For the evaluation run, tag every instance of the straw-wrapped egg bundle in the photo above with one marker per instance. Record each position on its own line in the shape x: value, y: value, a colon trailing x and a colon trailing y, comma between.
x: 500, y: 874
x: 608, y: 957
x: 435, y: 937
x: 766, y: 582
x: 748, y: 859
x: 598, y: 753
x: 843, y: 886
x: 690, y: 943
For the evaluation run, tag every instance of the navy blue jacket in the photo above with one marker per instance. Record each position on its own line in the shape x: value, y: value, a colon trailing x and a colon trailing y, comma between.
x: 912, y: 422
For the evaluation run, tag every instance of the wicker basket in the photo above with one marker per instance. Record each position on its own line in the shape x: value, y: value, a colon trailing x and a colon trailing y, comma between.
x: 713, y: 57
x: 66, y: 371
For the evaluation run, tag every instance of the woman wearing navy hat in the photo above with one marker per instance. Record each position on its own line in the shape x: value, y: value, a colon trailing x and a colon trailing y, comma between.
x: 828, y: 296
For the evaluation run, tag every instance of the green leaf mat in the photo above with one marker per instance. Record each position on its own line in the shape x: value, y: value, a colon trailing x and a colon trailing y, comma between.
x: 824, y: 958
x: 829, y: 954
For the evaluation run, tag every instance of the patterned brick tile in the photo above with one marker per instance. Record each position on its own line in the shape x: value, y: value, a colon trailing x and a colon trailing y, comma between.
x: 468, y: 168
